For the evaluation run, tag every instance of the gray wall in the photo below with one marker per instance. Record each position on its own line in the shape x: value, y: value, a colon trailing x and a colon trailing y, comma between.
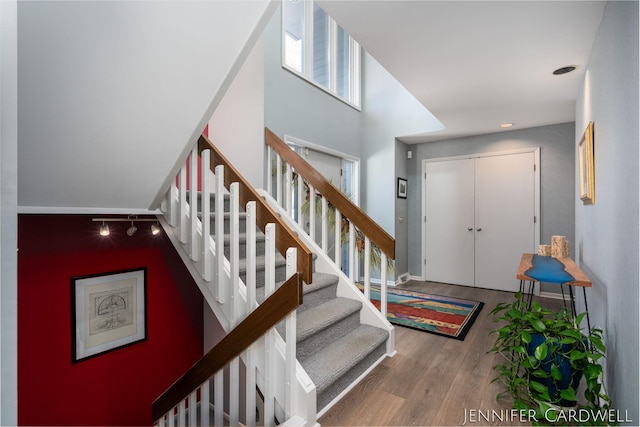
x: 556, y: 144
x: 297, y: 108
x: 388, y: 112
x: 8, y: 212
x: 402, y: 210
x: 607, y: 232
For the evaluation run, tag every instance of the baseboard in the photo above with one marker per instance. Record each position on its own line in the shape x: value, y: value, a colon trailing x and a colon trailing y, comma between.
x: 390, y: 283
x: 418, y: 278
x: 554, y: 295
x: 403, y: 278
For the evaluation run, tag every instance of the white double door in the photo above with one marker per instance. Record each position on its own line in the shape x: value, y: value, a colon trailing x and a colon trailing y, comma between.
x: 479, y: 219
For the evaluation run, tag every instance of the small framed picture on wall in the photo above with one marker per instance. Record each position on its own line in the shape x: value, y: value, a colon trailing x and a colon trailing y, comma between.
x: 402, y: 188
x: 108, y: 311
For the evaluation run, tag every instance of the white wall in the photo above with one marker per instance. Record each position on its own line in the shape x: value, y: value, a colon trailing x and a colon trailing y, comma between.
x: 8, y: 213
x: 113, y: 93
x: 607, y: 232
x: 389, y: 111
x: 237, y: 125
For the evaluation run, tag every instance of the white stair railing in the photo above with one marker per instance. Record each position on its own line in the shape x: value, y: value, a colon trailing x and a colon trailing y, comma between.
x: 186, y: 220
x: 340, y: 218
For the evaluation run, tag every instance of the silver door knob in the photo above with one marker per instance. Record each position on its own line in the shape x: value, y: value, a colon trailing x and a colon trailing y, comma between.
x: 469, y: 228
x: 478, y: 229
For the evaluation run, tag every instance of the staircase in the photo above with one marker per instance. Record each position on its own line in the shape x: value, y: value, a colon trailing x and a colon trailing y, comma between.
x: 339, y: 334
x: 333, y: 346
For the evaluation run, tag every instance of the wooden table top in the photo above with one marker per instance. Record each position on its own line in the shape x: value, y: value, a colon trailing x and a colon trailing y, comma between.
x: 536, y: 268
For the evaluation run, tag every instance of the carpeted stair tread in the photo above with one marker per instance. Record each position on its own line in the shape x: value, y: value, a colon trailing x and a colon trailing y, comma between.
x: 260, y: 261
x: 336, y: 359
x: 242, y: 238
x: 318, y: 318
x: 320, y: 281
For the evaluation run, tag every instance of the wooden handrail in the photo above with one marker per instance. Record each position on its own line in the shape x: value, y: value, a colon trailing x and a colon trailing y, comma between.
x: 347, y: 208
x: 268, y: 314
x: 285, y: 239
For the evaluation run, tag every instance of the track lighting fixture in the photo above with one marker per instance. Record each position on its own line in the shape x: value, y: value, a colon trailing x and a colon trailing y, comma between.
x: 132, y: 230
x: 104, y: 229
x: 155, y: 229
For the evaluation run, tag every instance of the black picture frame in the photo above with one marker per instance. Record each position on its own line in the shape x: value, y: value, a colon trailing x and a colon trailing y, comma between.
x: 108, y: 312
x: 402, y: 188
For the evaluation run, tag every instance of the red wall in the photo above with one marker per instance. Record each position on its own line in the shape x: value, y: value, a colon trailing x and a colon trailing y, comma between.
x: 115, y: 388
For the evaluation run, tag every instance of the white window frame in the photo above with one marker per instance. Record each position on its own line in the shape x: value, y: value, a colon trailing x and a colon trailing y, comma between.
x: 307, y: 53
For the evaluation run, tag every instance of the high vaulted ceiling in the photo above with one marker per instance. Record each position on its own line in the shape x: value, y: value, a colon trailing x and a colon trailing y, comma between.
x: 477, y: 64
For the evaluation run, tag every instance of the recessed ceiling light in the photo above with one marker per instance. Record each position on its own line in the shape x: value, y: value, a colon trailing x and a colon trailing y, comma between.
x: 506, y: 125
x: 564, y: 70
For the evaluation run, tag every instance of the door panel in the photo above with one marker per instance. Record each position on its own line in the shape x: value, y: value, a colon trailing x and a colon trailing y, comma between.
x: 504, y: 210
x: 449, y: 211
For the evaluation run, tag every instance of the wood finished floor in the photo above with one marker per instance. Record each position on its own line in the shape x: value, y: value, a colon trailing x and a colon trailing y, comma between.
x: 432, y: 379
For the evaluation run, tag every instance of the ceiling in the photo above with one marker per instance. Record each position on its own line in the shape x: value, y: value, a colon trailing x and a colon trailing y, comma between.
x: 477, y: 64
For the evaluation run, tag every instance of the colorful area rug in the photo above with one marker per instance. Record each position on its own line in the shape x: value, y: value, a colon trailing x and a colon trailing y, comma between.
x: 447, y: 316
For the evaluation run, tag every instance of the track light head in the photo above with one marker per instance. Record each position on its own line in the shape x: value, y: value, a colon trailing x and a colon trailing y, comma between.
x: 155, y: 229
x: 104, y: 229
x: 132, y: 230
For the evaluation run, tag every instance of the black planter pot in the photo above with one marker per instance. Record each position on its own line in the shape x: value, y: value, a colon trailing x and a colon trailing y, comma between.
x: 570, y: 377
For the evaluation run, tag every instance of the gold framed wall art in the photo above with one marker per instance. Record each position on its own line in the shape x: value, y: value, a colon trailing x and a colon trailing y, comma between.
x: 587, y: 166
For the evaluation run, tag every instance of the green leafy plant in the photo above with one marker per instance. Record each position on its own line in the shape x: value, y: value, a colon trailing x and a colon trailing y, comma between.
x: 545, y: 356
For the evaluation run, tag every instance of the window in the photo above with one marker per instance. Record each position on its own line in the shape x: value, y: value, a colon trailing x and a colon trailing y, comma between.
x: 319, y: 50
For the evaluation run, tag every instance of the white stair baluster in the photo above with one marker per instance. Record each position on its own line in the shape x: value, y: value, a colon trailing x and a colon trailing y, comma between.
x: 383, y: 284
x: 325, y: 225
x: 171, y: 417
x: 288, y: 190
x: 193, y: 408
x: 219, y: 233
x: 183, y: 205
x: 204, y: 404
x: 338, y: 243
x: 250, y: 280
x: 182, y: 413
x: 206, y: 215
x: 312, y: 212
x: 193, y: 205
x: 352, y: 252
x: 234, y: 368
x: 367, y: 268
x: 269, y: 288
x: 269, y: 171
x: 218, y: 398
x: 173, y: 205
x: 250, y: 410
x: 279, y: 179
x: 234, y: 254
x: 300, y: 199
x: 290, y: 351
x: 234, y: 392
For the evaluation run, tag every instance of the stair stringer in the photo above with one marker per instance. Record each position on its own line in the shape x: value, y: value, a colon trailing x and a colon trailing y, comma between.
x: 369, y: 314
x: 304, y: 404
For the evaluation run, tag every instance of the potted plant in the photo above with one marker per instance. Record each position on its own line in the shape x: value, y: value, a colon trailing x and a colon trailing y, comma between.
x: 546, y: 354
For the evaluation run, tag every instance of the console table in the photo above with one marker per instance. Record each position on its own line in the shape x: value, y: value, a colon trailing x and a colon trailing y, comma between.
x: 562, y: 271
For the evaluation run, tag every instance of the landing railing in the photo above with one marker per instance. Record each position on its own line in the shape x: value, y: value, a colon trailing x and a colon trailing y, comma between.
x: 212, y: 385
x: 292, y: 178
